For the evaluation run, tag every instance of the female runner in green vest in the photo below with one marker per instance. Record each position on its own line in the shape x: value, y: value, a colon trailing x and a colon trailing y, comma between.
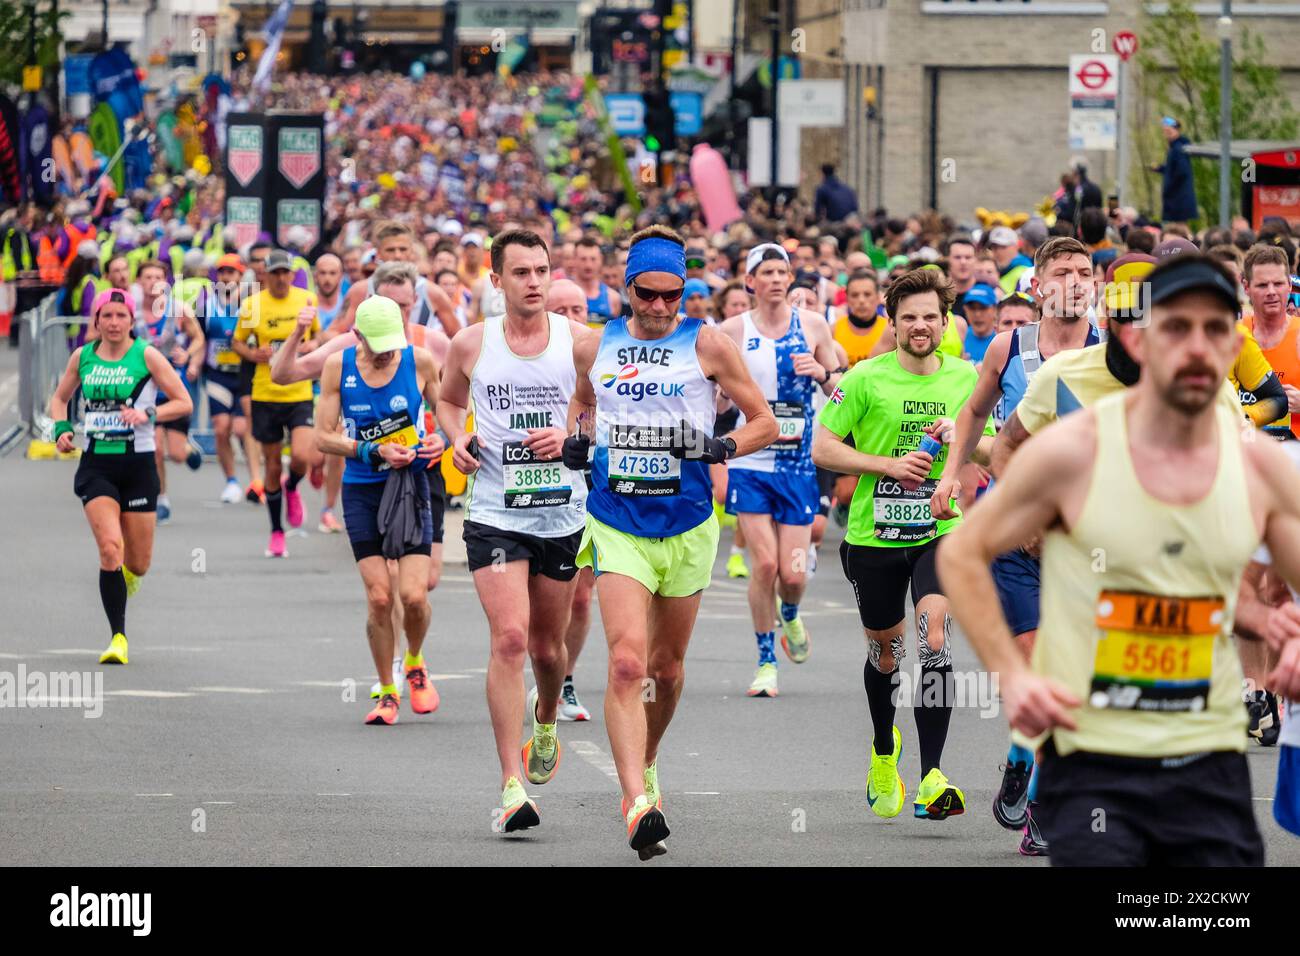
x: 122, y: 379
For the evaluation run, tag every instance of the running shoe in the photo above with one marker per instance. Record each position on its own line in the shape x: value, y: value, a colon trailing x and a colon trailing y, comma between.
x: 840, y: 515
x: 116, y: 653
x: 541, y: 752
x: 885, y: 788
x: 316, y: 476
x: 132, y: 582
x: 795, y: 640
x: 231, y: 493
x: 293, y: 508
x: 276, y: 549
x: 1258, y: 713
x: 570, y: 707
x: 255, y: 493
x: 194, y: 457
x: 1032, y: 843
x: 1012, y: 799
x: 651, y: 780
x: 517, y: 812
x: 328, y: 523
x: 164, y: 509
x: 646, y: 828
x: 764, y: 684
x: 1269, y: 735
x: 937, y: 798
x: 424, y: 696
x: 736, y: 566
x: 385, y: 711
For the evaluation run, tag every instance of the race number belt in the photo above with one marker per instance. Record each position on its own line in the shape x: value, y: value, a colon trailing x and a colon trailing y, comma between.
x: 791, y: 422
x: 530, y: 483
x: 640, y: 463
x: 902, y: 515
x: 1155, y: 653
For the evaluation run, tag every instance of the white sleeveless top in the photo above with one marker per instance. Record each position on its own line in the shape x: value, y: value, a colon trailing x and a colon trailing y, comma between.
x: 510, y: 394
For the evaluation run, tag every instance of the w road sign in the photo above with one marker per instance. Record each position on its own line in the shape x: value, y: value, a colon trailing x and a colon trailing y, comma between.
x: 299, y: 157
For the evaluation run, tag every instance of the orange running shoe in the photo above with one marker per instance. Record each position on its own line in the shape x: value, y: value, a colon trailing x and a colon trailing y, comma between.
x: 255, y: 493
x: 385, y: 711
x: 424, y: 696
x: 646, y: 828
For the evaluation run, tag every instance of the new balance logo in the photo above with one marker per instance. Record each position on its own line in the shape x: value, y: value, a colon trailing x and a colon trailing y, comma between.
x: 624, y: 487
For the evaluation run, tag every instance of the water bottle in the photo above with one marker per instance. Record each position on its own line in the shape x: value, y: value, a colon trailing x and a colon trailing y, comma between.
x: 931, y: 446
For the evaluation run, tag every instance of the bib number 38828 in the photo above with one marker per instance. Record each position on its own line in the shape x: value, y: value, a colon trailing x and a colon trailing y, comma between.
x: 903, y: 515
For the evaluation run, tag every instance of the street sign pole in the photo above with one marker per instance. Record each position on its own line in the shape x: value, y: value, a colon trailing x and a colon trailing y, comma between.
x: 1125, y: 44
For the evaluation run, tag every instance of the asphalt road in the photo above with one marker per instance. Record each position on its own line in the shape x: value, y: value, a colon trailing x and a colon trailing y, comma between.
x: 228, y: 739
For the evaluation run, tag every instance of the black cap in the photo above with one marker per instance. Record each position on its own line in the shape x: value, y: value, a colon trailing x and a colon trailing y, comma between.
x: 1190, y: 273
x: 279, y: 259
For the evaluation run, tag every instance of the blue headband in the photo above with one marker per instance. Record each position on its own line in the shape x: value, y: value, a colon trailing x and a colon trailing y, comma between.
x: 655, y: 255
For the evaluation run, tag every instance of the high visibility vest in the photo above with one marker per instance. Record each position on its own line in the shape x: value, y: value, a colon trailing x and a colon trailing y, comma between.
x: 9, y: 269
x: 48, y: 262
x: 134, y: 258
x: 78, y: 297
x: 76, y: 236
x: 177, y: 255
x: 215, y: 245
x: 106, y: 250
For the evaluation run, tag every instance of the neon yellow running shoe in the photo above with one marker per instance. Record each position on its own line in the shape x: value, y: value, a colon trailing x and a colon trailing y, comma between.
x: 541, y: 752
x: 885, y: 789
x: 795, y: 640
x: 764, y: 684
x: 132, y: 581
x: 516, y: 812
x: 736, y: 566
x: 116, y: 653
x: 937, y: 798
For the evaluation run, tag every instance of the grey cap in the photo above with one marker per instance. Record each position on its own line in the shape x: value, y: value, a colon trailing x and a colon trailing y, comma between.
x: 1034, y: 232
x: 278, y: 259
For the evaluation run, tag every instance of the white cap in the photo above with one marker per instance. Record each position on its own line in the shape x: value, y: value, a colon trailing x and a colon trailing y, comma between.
x: 88, y: 248
x: 1003, y: 236
x: 452, y: 228
x: 472, y: 239
x: 761, y: 253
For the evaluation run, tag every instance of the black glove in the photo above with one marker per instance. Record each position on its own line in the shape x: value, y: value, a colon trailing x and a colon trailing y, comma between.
x: 574, y: 452
x: 694, y: 445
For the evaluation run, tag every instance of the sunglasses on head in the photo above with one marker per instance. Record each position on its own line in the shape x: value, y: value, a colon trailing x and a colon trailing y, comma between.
x: 649, y: 295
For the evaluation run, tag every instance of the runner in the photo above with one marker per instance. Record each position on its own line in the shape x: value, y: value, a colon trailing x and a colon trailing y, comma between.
x: 367, y: 396
x: 1063, y: 285
x: 603, y: 302
x: 566, y: 298
x: 774, y: 491
x: 269, y: 318
x: 117, y: 479
x: 395, y: 281
x: 731, y: 300
x: 1133, y: 687
x: 218, y: 308
x: 645, y: 392
x: 889, y: 404
x: 859, y: 332
x: 395, y: 242
x: 525, y: 509
x: 169, y: 325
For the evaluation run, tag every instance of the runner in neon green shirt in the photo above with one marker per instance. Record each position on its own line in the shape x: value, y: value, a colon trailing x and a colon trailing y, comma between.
x: 890, y: 404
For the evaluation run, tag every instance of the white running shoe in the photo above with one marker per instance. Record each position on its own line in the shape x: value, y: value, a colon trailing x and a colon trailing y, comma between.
x: 232, y: 492
x: 570, y: 707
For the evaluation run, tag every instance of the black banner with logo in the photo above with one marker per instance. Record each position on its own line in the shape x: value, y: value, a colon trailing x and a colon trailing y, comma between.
x: 275, y: 177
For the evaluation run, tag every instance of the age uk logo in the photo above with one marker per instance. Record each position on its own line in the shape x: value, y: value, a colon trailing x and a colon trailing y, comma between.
x: 626, y: 372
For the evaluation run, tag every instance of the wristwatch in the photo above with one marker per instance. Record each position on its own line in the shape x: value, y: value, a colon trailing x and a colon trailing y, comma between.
x: 152, y: 414
x: 730, y: 445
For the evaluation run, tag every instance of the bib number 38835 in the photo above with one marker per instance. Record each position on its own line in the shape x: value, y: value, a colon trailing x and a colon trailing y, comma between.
x: 530, y: 483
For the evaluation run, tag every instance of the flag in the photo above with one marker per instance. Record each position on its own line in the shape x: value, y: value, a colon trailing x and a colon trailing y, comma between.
x: 274, y: 33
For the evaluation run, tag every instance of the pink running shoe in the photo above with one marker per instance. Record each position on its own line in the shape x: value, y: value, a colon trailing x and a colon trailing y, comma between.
x: 276, y: 548
x: 293, y: 508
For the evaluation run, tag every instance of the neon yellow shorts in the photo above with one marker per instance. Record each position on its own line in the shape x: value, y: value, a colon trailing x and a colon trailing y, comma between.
x: 672, y: 567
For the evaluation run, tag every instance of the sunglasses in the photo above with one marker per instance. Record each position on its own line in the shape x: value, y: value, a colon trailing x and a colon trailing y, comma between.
x: 694, y: 263
x: 649, y: 295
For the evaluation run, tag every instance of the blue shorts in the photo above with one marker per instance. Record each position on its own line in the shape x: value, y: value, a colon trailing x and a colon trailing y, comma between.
x: 1017, y: 577
x: 789, y: 499
x: 223, y: 392
x: 361, y: 516
x: 1286, y: 803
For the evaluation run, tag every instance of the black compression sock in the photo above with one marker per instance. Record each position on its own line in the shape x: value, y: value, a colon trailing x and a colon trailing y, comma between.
x: 880, y: 700
x: 112, y: 591
x: 933, y: 711
x: 273, y: 501
x: 294, y: 478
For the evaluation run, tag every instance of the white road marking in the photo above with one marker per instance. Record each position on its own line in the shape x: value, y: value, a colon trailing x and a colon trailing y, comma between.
x: 155, y: 794
x: 595, y: 756
x: 702, y: 793
x: 150, y: 693
x: 232, y: 690
x: 36, y: 700
x: 449, y: 677
x: 218, y: 803
x: 75, y: 650
x: 333, y: 794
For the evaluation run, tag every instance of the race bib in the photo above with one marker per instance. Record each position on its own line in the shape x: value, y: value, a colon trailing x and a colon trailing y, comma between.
x: 1154, y: 653
x: 530, y: 483
x: 791, y: 422
x: 902, y: 515
x: 108, y: 425
x: 227, y: 358
x: 640, y: 463
x: 397, y: 428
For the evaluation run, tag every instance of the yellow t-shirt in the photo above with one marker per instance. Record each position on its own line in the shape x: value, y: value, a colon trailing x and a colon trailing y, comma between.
x: 1078, y: 378
x: 270, y: 321
x: 858, y: 345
